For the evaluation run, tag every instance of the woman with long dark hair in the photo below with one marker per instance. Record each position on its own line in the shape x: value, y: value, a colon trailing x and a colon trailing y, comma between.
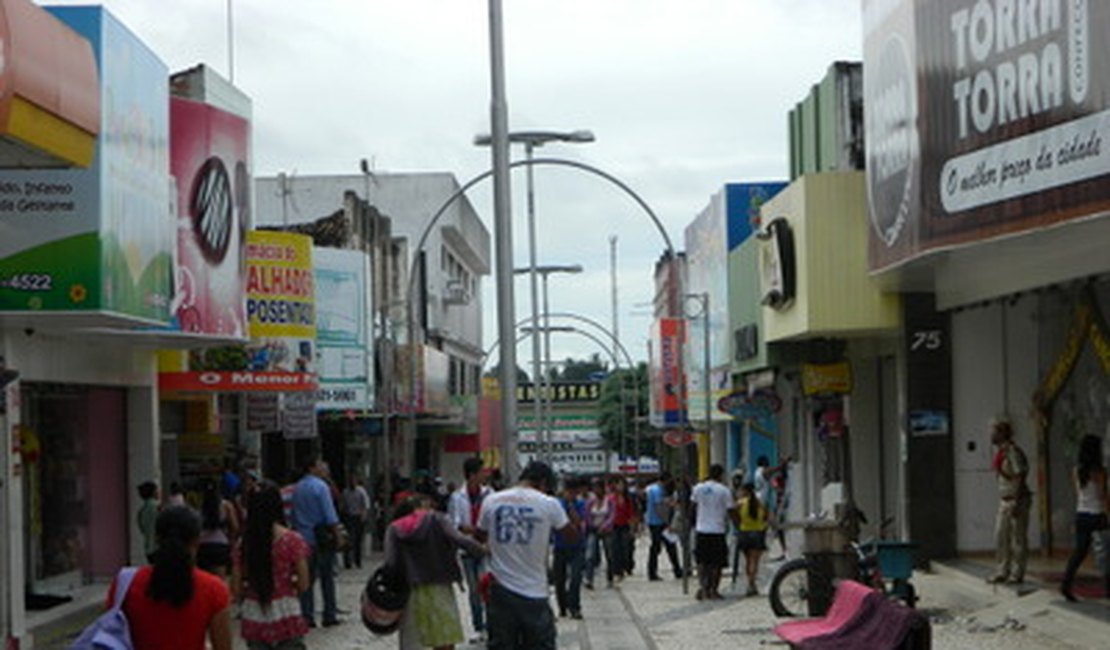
x: 171, y: 603
x: 1092, y: 503
x: 219, y: 527
x: 270, y: 570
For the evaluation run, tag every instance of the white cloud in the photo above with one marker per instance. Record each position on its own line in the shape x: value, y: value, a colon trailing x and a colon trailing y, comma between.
x: 683, y: 97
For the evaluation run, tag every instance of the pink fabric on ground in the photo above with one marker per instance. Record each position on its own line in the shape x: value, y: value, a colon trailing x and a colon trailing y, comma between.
x: 859, y: 618
x: 849, y: 601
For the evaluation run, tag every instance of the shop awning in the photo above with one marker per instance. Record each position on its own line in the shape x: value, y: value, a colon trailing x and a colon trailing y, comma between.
x: 49, y: 90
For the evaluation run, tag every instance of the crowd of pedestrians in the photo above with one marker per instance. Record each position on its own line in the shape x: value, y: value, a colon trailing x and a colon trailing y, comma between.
x: 268, y: 554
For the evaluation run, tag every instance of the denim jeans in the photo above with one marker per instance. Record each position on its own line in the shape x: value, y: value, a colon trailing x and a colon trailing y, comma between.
x: 657, y: 542
x: 1086, y: 523
x: 594, y: 544
x: 320, y: 565
x: 567, y: 571
x: 472, y: 569
x: 519, y: 623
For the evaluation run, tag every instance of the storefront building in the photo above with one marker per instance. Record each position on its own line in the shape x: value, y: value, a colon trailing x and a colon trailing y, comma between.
x: 428, y: 345
x: 832, y: 333
x: 202, y: 424
x: 723, y: 225
x: 86, y: 254
x: 990, y: 198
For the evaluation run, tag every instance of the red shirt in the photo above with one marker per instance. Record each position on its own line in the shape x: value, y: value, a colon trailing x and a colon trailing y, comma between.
x: 623, y: 511
x: 157, y: 625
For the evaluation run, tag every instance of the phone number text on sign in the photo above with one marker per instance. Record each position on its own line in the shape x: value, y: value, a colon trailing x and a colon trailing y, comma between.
x: 28, y: 282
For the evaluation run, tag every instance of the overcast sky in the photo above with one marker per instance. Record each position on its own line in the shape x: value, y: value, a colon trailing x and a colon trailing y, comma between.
x: 682, y: 95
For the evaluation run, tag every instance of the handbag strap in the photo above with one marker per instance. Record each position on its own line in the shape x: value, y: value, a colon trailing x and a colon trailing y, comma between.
x: 123, y: 583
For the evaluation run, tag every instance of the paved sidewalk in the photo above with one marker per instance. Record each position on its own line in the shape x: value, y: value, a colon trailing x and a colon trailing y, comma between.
x: 608, y: 622
x: 639, y: 615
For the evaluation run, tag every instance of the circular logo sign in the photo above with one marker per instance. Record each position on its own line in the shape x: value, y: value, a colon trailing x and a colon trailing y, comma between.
x: 677, y: 438
x: 211, y: 209
x: 890, y: 129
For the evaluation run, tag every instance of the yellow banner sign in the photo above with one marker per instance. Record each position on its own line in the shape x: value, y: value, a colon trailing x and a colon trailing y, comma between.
x: 826, y: 378
x: 280, y: 290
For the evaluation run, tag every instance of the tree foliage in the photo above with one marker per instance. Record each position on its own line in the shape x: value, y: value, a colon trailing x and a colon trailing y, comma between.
x: 521, y: 376
x: 624, y: 398
x: 579, y: 369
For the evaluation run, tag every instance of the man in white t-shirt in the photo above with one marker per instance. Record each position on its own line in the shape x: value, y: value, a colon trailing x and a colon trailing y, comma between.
x: 517, y: 523
x: 713, y: 507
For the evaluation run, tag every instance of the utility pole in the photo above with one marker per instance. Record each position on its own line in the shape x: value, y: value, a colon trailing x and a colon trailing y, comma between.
x: 503, y: 239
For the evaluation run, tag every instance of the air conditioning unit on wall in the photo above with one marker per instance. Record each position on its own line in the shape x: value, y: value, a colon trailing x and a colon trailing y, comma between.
x: 456, y: 293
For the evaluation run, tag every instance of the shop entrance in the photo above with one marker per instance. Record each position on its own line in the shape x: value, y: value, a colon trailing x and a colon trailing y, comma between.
x: 74, y: 448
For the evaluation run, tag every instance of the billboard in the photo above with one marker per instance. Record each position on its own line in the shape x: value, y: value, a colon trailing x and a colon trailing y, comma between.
x: 572, y: 430
x: 210, y: 158
x: 281, y: 302
x: 983, y: 119
x: 343, y: 360
x: 560, y: 392
x: 668, y: 385
x: 99, y: 239
x: 732, y: 215
x: 281, y: 320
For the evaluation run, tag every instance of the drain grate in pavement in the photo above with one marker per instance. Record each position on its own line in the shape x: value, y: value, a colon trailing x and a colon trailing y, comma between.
x: 748, y: 631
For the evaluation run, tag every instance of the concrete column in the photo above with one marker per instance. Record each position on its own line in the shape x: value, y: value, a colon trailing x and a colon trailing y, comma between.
x: 144, y: 445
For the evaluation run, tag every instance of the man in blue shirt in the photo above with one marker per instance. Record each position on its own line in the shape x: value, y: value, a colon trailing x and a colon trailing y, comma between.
x: 314, y: 517
x: 658, y: 515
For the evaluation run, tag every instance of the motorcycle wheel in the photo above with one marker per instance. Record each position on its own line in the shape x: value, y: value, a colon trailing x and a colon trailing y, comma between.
x: 789, y: 592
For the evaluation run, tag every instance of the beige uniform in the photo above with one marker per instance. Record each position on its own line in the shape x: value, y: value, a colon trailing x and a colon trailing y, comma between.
x: 1012, y: 523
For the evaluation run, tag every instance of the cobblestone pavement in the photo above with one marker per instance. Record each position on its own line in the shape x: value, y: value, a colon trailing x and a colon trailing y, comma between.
x: 638, y: 614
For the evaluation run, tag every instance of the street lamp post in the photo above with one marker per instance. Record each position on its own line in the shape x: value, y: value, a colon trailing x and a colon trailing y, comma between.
x: 503, y: 237
x: 703, y: 300
x: 532, y: 140
x: 541, y: 381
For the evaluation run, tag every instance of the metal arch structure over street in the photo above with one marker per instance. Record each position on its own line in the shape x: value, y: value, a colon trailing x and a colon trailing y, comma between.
x: 617, y: 346
x: 578, y: 317
x: 409, y: 308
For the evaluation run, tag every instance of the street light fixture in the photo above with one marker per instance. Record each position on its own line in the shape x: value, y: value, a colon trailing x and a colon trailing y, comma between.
x: 531, y: 140
x: 702, y: 299
x: 541, y: 408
